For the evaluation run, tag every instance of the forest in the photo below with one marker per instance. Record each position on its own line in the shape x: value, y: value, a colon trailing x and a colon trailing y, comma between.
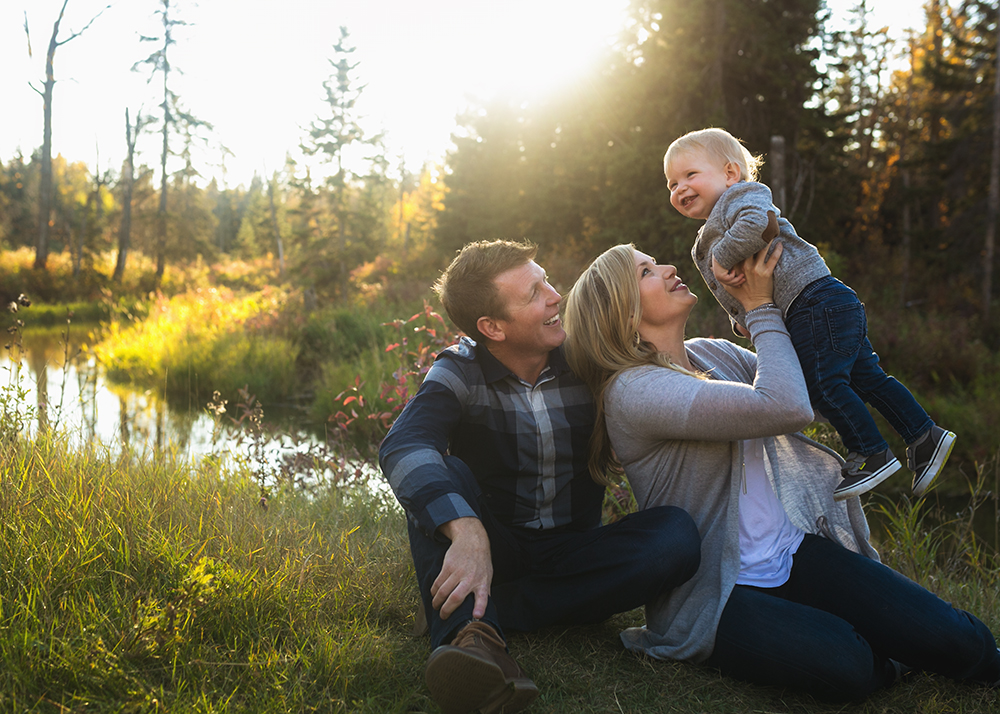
x: 883, y: 153
x: 887, y: 165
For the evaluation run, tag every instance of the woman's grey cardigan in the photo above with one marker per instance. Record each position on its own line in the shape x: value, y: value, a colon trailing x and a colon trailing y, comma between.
x: 680, y: 440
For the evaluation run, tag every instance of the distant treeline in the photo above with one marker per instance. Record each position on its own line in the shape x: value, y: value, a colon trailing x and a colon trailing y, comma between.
x: 880, y: 152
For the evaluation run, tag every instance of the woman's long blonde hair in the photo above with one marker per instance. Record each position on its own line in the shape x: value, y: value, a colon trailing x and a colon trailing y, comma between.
x: 602, y: 315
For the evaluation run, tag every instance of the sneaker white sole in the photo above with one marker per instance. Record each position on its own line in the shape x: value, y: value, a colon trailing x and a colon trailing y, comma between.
x: 941, y: 454
x: 868, y: 484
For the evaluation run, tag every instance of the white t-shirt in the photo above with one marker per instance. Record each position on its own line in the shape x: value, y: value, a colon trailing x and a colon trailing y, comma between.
x: 768, y: 539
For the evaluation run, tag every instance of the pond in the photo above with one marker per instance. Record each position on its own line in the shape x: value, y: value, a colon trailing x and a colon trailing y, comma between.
x: 65, y: 389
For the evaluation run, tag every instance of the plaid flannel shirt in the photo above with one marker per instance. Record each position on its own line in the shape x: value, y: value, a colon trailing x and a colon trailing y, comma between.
x: 527, y: 445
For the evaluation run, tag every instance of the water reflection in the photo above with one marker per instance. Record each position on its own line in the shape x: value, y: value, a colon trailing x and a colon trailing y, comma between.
x: 65, y: 389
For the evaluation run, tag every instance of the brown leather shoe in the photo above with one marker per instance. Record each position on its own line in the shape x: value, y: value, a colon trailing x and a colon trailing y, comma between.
x: 476, y: 672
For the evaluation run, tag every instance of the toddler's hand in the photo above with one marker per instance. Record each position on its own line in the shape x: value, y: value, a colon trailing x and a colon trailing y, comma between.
x: 771, y: 232
x: 733, y: 278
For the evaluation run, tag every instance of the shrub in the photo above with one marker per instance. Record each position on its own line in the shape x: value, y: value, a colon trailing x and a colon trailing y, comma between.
x: 205, y: 340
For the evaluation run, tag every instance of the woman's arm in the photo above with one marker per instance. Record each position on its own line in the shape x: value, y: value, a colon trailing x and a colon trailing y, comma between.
x: 660, y: 403
x: 744, y: 400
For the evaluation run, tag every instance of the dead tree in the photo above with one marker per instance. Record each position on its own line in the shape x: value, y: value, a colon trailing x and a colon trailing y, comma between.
x: 128, y: 179
x: 45, y: 185
x: 93, y: 200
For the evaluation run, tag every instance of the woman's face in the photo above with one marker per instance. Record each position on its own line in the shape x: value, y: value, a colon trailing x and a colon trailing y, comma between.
x: 664, y: 297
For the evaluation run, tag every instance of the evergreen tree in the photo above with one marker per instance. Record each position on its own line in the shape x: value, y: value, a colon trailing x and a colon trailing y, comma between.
x: 254, y: 235
x: 340, y: 140
x: 17, y: 221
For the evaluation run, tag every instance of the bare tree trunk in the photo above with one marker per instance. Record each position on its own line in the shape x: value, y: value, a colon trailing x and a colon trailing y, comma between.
x: 93, y: 199
x: 45, y: 183
x: 994, y: 200
x: 274, y: 227
x: 161, y: 213
x: 128, y: 178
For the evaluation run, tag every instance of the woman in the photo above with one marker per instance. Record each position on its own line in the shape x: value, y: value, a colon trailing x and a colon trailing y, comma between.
x: 789, y: 592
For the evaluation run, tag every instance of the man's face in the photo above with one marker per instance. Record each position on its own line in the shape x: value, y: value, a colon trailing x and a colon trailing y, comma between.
x: 532, y: 324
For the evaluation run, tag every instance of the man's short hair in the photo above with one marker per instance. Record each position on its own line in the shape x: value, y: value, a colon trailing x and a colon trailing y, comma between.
x: 466, y: 287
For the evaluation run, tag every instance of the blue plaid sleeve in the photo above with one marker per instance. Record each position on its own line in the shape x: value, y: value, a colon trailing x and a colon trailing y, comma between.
x: 413, y: 454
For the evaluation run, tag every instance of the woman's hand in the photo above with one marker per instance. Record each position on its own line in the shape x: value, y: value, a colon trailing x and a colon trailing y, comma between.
x: 758, y: 269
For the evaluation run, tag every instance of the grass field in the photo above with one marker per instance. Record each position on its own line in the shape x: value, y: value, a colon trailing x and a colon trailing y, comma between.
x: 147, y: 584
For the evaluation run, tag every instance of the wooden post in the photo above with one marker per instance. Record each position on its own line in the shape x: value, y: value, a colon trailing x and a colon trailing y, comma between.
x: 777, y: 157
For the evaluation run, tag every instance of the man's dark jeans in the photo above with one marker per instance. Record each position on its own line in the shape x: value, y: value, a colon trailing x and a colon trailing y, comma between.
x: 562, y: 576
x: 829, y: 330
x: 833, y: 627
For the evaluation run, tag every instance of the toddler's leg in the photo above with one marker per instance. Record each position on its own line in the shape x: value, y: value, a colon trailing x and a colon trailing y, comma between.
x: 928, y: 445
x: 829, y: 332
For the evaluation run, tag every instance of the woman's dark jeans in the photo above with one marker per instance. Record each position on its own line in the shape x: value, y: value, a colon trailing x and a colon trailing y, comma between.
x: 833, y: 627
x: 829, y: 330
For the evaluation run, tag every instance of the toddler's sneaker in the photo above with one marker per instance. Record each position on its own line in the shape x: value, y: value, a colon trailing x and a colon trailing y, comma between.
x: 927, y: 455
x: 863, y: 473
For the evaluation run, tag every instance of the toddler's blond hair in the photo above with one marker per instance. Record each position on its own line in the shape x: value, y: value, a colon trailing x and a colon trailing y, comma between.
x: 717, y: 144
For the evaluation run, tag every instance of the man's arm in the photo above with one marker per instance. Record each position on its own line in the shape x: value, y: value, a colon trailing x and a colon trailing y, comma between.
x: 412, y: 457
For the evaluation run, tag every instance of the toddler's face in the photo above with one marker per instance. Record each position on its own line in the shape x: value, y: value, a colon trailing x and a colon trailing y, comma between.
x: 696, y: 183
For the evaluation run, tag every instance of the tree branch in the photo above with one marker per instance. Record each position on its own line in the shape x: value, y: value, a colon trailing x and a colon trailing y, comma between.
x: 27, y: 32
x: 84, y: 29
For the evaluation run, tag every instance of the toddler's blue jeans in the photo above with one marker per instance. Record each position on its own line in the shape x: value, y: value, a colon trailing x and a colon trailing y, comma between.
x: 829, y: 330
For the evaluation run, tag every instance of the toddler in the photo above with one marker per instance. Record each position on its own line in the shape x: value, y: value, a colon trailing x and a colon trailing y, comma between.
x: 712, y: 177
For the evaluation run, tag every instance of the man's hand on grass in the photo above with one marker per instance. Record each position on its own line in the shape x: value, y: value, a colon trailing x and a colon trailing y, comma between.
x: 467, y: 568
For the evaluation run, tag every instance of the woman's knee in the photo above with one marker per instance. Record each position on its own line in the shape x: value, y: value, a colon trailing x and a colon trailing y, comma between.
x: 852, y: 681
x: 671, y: 539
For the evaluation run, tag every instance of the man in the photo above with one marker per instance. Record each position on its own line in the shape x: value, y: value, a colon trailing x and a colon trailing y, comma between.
x: 489, y: 460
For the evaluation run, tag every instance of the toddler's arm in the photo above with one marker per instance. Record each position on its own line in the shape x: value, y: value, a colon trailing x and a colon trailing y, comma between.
x: 734, y: 277
x: 746, y: 223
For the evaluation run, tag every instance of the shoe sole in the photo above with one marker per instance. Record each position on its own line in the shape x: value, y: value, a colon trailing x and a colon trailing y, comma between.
x: 522, y: 693
x: 869, y: 483
x: 461, y: 682
x: 940, y: 458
